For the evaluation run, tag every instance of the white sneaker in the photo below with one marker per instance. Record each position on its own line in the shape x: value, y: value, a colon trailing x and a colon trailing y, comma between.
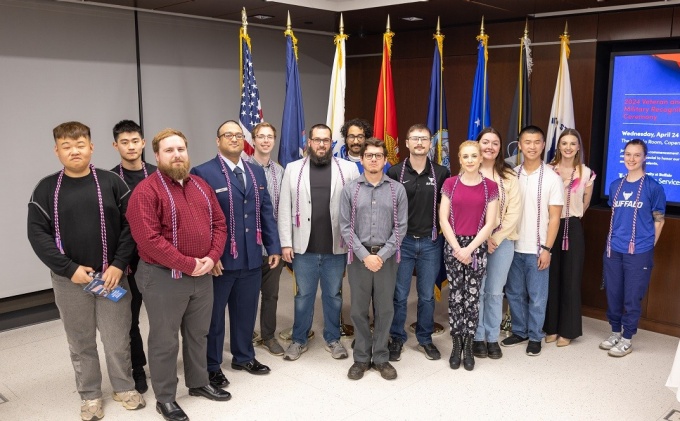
x: 91, y: 409
x: 621, y: 349
x: 131, y: 399
x: 611, y: 341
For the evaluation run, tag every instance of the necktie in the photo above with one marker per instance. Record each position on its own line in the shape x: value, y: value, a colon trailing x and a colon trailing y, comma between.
x: 241, y: 179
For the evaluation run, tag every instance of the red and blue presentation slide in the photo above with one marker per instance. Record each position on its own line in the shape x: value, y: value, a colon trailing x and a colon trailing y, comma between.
x: 645, y: 104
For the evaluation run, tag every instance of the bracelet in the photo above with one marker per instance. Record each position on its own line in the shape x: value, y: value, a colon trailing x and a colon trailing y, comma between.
x: 546, y: 248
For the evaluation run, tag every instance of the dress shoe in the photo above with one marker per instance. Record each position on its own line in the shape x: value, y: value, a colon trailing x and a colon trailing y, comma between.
x: 387, y: 371
x: 252, y: 367
x: 171, y: 411
x: 479, y: 349
x: 494, y: 350
x: 211, y: 392
x: 550, y: 338
x: 217, y: 378
x: 356, y: 371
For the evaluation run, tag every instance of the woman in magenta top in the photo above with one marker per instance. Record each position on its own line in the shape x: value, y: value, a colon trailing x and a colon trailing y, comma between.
x: 467, y: 215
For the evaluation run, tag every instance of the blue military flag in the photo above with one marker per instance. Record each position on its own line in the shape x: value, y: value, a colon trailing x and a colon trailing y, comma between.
x: 480, y: 117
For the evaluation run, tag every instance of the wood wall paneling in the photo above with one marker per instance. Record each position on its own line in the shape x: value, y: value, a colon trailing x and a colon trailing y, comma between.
x: 638, y: 24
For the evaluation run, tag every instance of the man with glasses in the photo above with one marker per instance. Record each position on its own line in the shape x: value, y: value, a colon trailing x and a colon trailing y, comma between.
x: 355, y: 132
x: 241, y: 190
x: 309, y: 229
x: 373, y: 217
x: 264, y: 138
x: 422, y: 246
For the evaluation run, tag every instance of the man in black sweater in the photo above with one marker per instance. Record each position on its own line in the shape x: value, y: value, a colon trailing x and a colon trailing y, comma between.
x: 76, y: 226
x: 128, y: 140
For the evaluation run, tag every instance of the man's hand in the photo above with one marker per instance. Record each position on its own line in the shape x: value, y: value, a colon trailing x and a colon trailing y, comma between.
x: 81, y: 276
x: 274, y: 260
x: 111, y: 277
x: 287, y: 254
x: 217, y: 269
x: 544, y: 259
x: 203, y: 266
x: 373, y: 262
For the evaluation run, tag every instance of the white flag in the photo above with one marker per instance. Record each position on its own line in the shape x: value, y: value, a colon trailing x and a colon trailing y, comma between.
x: 562, y: 111
x: 336, y: 98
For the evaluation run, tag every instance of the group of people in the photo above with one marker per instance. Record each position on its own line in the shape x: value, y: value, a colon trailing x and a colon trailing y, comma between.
x: 194, y: 242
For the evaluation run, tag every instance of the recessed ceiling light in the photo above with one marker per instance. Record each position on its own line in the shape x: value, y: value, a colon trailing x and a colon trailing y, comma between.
x: 412, y: 18
x: 262, y: 17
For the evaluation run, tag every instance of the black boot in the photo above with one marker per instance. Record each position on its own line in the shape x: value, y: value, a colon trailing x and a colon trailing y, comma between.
x: 454, y: 360
x: 468, y: 356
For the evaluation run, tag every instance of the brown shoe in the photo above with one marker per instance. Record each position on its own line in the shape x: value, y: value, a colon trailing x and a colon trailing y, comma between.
x: 550, y: 338
x: 356, y: 371
x: 563, y: 342
x: 387, y: 371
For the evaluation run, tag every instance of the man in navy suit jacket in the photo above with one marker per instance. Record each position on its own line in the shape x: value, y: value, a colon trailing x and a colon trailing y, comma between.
x: 241, y: 190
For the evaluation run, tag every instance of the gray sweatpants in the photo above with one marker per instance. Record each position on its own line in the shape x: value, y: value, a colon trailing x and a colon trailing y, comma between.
x: 82, y: 314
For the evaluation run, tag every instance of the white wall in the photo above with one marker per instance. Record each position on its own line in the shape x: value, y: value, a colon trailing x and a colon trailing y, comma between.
x: 64, y: 61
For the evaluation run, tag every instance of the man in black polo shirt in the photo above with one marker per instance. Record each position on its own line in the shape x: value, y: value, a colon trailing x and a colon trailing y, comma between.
x: 422, y: 245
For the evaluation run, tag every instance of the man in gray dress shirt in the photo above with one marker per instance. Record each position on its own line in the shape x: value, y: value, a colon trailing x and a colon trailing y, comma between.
x: 373, y: 221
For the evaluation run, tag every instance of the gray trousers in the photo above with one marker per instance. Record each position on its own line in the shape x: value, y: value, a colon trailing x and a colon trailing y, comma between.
x: 172, y: 305
x: 82, y: 314
x: 270, y: 298
x: 379, y: 286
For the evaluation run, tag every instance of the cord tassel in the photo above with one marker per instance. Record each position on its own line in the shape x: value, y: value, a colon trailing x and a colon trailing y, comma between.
x: 59, y: 246
x: 631, y: 247
x: 565, y: 243
x: 259, y: 237
x: 234, y: 249
x: 297, y: 219
x: 176, y: 274
x: 350, y: 259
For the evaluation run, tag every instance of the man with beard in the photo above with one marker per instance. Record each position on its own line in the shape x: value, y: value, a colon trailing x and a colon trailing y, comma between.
x: 128, y: 140
x: 309, y: 229
x: 373, y: 217
x: 422, y: 246
x: 180, y: 232
x: 241, y: 190
x: 355, y: 132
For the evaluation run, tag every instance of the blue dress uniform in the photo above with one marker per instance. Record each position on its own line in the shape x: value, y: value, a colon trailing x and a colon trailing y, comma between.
x: 239, y: 284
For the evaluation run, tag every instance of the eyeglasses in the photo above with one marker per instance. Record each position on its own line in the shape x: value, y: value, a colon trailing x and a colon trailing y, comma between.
x: 229, y: 135
x: 421, y: 139
x: 371, y: 156
x: 356, y: 136
x: 317, y: 141
x: 263, y: 137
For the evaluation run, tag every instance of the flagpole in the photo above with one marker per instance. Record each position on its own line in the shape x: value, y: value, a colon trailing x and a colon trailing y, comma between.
x: 484, y: 38
x: 384, y: 77
x: 440, y: 44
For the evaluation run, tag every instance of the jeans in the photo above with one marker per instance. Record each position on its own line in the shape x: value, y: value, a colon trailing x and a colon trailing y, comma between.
x: 309, y: 268
x: 425, y: 255
x: 491, y: 295
x: 527, y: 293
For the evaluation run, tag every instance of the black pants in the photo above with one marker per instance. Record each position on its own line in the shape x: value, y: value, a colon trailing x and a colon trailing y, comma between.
x: 563, y: 311
x: 137, y: 355
x: 270, y: 297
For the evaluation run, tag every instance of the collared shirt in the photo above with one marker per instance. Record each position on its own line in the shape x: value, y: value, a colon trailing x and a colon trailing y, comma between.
x: 273, y: 172
x: 373, y: 216
x: 151, y: 223
x: 420, y: 192
x: 232, y: 166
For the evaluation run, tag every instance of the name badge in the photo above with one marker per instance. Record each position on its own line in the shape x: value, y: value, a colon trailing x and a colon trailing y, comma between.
x: 221, y: 190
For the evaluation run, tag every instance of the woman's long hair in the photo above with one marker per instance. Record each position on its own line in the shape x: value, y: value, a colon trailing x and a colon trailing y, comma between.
x: 578, y: 158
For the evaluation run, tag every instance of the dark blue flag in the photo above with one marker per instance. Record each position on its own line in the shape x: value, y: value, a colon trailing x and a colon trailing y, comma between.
x: 479, y: 108
x: 293, y: 137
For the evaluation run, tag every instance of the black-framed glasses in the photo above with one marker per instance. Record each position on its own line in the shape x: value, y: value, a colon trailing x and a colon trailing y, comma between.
x: 317, y: 141
x: 421, y: 139
x: 265, y: 137
x: 229, y: 135
x: 356, y: 136
x: 377, y: 156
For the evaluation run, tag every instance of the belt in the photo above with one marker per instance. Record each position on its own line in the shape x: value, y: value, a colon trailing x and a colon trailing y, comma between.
x: 373, y: 249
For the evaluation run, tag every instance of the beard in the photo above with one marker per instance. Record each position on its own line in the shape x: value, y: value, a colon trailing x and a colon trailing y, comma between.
x: 176, y: 173
x: 319, y: 160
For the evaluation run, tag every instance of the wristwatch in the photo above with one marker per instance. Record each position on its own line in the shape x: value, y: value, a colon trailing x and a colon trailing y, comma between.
x: 545, y: 248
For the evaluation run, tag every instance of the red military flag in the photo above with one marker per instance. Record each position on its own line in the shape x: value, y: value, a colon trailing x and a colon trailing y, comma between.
x: 385, y: 121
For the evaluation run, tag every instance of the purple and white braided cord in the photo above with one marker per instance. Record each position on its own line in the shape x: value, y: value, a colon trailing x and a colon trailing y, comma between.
x: 258, y: 222
x: 434, y: 201
x: 120, y: 170
x: 631, y: 244
x: 352, y: 220
x: 232, y: 221
x: 565, y: 236
x: 395, y: 220
x: 538, y: 220
x: 501, y: 191
x: 176, y: 273
x: 277, y: 193
x: 481, y: 220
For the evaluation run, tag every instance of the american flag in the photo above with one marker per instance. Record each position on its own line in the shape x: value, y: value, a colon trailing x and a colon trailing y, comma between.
x: 250, y: 113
